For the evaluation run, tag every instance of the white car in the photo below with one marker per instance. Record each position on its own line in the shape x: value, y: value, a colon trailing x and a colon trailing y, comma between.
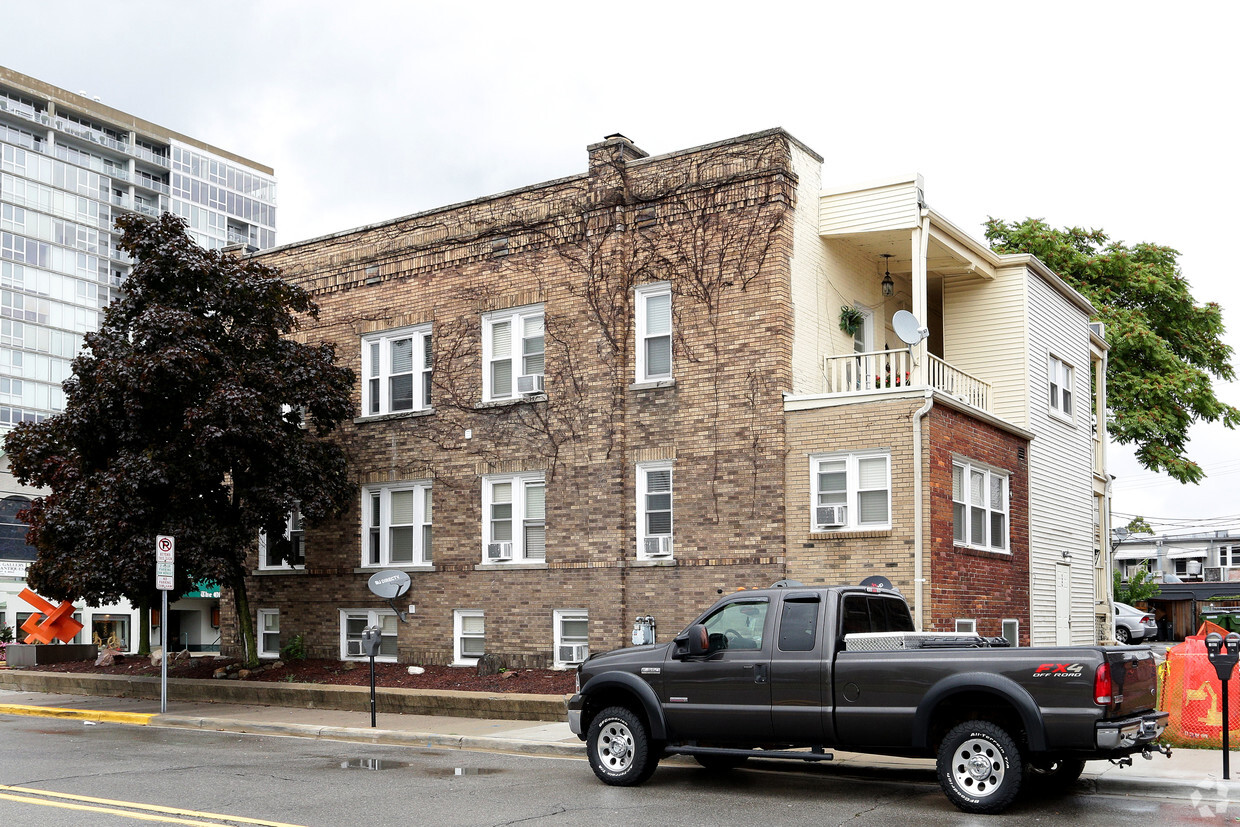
x: 1133, y: 625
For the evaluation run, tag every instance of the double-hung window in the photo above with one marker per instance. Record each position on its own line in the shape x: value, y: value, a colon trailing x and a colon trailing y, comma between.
x: 396, y: 524
x: 572, y: 636
x: 979, y: 507
x: 513, y: 353
x: 654, y: 510
x: 353, y: 622
x: 851, y: 491
x: 654, y: 332
x: 1061, y: 376
x: 268, y: 633
x: 469, y: 636
x: 514, y: 525
x: 289, y: 552
x: 397, y: 371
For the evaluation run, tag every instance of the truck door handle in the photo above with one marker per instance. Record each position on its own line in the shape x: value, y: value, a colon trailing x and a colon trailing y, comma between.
x: 760, y: 672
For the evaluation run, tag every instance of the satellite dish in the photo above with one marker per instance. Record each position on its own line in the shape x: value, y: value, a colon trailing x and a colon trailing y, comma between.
x: 389, y: 584
x: 907, y: 327
x: 878, y: 581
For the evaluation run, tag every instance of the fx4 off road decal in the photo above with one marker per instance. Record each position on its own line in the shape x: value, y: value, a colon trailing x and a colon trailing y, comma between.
x: 1059, y: 670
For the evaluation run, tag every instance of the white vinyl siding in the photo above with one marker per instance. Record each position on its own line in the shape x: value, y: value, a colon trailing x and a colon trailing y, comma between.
x: 893, y: 206
x: 654, y: 332
x: 984, y: 335
x: 513, y: 345
x: 396, y: 371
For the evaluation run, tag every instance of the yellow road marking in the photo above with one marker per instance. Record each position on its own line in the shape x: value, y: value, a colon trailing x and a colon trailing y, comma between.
x: 169, y: 812
x: 139, y: 718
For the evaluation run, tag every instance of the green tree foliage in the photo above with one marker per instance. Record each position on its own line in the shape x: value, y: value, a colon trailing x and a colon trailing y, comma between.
x: 184, y: 416
x: 1140, y: 586
x: 1164, y: 347
x: 1138, y: 525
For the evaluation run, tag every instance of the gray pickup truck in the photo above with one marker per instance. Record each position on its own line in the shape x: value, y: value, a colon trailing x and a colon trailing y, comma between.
x: 790, y: 672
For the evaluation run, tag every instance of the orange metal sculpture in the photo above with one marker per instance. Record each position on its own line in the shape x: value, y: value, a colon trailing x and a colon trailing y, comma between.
x: 57, y: 625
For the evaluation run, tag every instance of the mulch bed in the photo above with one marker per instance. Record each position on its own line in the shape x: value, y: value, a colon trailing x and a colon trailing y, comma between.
x: 350, y: 673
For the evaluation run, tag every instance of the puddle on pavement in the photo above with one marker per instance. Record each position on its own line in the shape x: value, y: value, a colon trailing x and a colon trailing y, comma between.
x: 455, y: 771
x: 371, y: 764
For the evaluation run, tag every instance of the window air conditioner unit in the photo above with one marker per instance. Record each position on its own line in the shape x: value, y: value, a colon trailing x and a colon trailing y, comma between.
x: 353, y: 648
x: 659, y: 546
x: 499, y: 551
x: 530, y: 384
x: 1214, y: 574
x: 831, y: 516
x: 574, y: 652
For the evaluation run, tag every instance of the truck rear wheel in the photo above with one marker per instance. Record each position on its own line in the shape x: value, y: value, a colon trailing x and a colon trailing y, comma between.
x: 619, y: 748
x: 979, y: 767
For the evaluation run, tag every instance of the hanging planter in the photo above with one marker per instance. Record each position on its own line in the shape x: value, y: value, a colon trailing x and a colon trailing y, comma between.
x: 851, y: 319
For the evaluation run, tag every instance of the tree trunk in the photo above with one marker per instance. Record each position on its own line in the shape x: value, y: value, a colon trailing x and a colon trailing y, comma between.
x: 245, y: 624
x: 144, y: 626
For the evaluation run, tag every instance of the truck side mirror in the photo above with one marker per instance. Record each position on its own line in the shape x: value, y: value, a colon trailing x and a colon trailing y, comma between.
x: 692, y: 641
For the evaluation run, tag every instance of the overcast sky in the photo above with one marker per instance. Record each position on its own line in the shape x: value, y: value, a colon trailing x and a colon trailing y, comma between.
x: 1116, y: 115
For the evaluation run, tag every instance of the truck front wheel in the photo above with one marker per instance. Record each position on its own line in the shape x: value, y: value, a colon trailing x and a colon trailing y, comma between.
x: 979, y: 767
x: 619, y: 748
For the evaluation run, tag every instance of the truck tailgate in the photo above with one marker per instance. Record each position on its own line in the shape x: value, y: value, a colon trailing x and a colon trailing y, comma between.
x: 1134, y: 676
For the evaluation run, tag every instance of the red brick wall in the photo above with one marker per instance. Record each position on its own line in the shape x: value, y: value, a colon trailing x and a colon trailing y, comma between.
x: 969, y: 583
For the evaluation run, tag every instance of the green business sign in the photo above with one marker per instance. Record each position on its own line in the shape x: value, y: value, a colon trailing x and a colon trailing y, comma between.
x: 205, y: 589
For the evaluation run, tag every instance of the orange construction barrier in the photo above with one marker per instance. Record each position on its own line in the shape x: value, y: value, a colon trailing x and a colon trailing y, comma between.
x: 1189, y: 690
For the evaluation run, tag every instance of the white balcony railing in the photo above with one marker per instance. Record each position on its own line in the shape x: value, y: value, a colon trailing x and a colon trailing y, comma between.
x: 883, y: 370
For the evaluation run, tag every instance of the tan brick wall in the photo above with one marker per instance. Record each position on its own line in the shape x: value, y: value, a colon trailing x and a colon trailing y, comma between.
x: 721, y: 422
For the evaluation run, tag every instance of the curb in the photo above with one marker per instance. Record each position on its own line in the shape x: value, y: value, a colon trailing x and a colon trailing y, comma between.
x: 374, y: 736
x: 134, y: 718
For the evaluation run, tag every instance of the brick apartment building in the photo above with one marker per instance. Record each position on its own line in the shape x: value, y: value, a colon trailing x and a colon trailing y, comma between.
x: 612, y: 395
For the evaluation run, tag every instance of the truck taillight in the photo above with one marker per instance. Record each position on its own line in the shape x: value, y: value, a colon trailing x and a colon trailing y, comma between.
x: 1102, y: 685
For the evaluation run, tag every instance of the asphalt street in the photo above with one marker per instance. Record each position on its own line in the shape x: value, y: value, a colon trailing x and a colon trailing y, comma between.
x: 221, y: 778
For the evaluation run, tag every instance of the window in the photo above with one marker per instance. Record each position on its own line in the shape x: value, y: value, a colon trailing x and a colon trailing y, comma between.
x: 979, y: 507
x: 872, y: 613
x: 397, y: 371
x: 1229, y: 559
x: 737, y: 625
x: 572, y: 636
x: 469, y: 632
x: 968, y: 627
x: 654, y: 510
x: 798, y: 626
x: 1061, y: 377
x: 268, y: 633
x: 851, y: 491
x: 355, y: 621
x: 513, y: 353
x: 514, y: 518
x: 1011, y: 631
x: 654, y: 332
x: 288, y: 552
x: 396, y: 524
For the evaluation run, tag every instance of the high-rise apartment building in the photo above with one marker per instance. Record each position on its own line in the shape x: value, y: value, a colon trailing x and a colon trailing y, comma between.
x: 69, y: 165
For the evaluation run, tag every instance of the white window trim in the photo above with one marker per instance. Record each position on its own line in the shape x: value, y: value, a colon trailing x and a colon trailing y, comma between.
x: 419, y: 334
x: 641, y: 295
x: 372, y: 619
x: 422, y: 558
x: 561, y: 615
x: 851, y: 500
x: 265, y: 653
x: 966, y: 626
x: 284, y: 565
x: 969, y: 542
x: 517, y: 317
x: 1061, y: 375
x: 1015, y: 625
x: 644, y: 468
x: 457, y: 614
x: 519, y: 482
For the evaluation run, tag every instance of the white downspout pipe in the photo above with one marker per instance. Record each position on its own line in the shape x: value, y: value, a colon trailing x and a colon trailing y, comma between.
x: 919, y: 575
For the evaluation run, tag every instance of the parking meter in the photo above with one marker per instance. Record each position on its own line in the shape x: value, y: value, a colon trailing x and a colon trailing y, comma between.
x: 371, y: 640
x: 1224, y: 660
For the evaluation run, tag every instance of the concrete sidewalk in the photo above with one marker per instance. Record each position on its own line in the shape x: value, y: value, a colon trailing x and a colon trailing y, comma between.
x: 1195, y: 775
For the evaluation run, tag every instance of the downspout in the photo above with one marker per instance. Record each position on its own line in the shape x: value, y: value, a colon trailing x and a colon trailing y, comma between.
x: 919, y: 578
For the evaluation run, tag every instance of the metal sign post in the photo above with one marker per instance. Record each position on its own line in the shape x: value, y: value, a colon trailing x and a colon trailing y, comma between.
x: 165, y: 571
